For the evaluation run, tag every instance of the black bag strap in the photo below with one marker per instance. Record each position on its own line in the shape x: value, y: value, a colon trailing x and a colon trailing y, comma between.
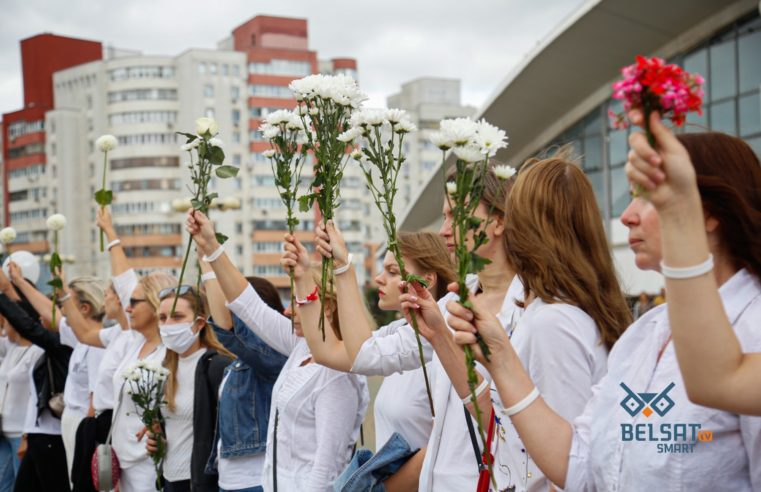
x: 473, y: 440
x: 50, y: 375
x: 274, y: 452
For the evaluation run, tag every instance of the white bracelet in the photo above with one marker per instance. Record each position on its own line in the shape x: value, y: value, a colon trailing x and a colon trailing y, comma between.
x: 479, y: 391
x: 215, y: 255
x: 521, y: 405
x: 64, y: 298
x: 343, y: 269
x: 113, y: 243
x: 688, y: 272
x: 208, y: 276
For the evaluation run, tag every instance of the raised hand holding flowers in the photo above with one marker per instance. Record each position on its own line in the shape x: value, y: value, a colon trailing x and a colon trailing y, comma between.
x: 472, y: 143
x: 103, y: 196
x: 286, y: 133
x: 380, y: 135
x: 209, y: 157
x: 147, y: 381
x: 55, y: 223
x: 329, y: 101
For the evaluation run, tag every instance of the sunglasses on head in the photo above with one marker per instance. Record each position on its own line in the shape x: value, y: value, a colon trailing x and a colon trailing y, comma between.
x: 169, y: 291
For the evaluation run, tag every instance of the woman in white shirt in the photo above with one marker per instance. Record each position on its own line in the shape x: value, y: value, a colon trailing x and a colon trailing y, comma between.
x: 402, y: 402
x: 639, y: 431
x: 715, y: 370
x: 15, y: 389
x: 316, y: 412
x: 196, y: 362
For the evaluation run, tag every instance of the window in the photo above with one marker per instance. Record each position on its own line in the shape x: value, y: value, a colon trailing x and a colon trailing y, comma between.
x: 142, y: 95
x: 235, y: 93
x: 281, y: 67
x: 146, y: 184
x: 213, y: 68
x: 235, y: 114
x: 133, y: 117
x: 202, y: 68
x: 134, y: 162
x: 148, y: 139
x: 209, y: 113
x: 225, y: 69
x: 141, y: 72
x: 261, y: 90
x: 23, y: 127
x: 208, y: 90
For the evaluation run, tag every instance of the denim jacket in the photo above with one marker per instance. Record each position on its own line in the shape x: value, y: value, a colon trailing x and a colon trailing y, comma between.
x: 244, y: 405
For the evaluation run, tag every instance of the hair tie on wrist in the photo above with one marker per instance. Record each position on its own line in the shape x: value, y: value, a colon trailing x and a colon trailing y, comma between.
x: 113, y: 243
x: 687, y: 272
x: 343, y: 269
x: 215, y: 255
x: 521, y: 405
x: 479, y: 391
x: 313, y: 296
x: 208, y: 276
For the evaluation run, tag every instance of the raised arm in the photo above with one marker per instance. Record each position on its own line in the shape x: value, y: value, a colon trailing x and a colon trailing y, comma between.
x: 273, y: 327
x: 545, y: 434
x: 119, y: 263
x: 85, y: 332
x: 37, y: 299
x: 329, y: 352
x: 216, y: 298
x: 715, y: 371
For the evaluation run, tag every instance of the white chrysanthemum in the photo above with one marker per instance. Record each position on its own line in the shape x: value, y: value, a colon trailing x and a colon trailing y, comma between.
x: 56, y: 222
x: 301, y: 110
x: 459, y: 130
x: 503, y: 171
x: 216, y: 142
x: 160, y: 377
x: 313, y: 111
x: 404, y: 126
x: 374, y: 117
x: 469, y: 153
x: 188, y: 146
x: 441, y: 141
x: 205, y: 125
x: 269, y: 153
x: 451, y: 187
x: 140, y: 364
x: 295, y: 123
x: 7, y: 235
x: 356, y: 154
x: 349, y: 135
x: 106, y: 143
x: 134, y: 377
x: 278, y: 117
x: 490, y: 138
x: 268, y: 131
x: 341, y: 89
x: 394, y: 115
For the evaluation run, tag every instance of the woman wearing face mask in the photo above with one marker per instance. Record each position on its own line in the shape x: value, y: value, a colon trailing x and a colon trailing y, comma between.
x: 196, y: 362
x: 44, y: 464
x: 316, y: 412
x: 15, y: 389
x: 639, y: 430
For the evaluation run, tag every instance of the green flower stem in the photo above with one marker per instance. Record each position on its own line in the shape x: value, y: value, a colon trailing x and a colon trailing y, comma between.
x: 103, y: 187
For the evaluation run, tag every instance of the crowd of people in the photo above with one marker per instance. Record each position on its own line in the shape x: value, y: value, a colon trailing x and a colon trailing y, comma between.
x: 578, y: 394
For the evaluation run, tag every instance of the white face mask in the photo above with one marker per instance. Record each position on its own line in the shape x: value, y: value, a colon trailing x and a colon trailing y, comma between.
x: 178, y: 336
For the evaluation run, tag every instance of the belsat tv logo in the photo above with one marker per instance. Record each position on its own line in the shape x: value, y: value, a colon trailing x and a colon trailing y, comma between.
x: 669, y: 437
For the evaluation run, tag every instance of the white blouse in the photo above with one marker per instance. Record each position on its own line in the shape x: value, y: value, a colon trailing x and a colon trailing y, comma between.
x: 83, y: 369
x: 15, y: 391
x: 319, y: 409
x: 622, y: 443
x: 562, y: 351
x: 401, y: 404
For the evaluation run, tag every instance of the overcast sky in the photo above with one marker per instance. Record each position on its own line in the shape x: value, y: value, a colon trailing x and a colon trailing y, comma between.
x: 393, y: 40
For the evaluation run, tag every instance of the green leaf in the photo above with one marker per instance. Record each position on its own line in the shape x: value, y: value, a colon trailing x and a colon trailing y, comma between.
x: 189, y: 136
x: 104, y: 197
x: 224, y: 172
x: 56, y: 283
x: 411, y: 277
x: 221, y: 238
x: 197, y: 204
x: 212, y: 196
x: 215, y: 155
x: 477, y: 263
x: 305, y: 202
x: 55, y: 261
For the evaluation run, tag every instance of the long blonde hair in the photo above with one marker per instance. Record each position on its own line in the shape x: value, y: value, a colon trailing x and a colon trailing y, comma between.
x: 429, y: 251
x: 557, y: 243
x: 208, y: 340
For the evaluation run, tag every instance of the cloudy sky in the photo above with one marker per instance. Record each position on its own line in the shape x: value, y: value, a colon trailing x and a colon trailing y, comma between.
x: 393, y: 40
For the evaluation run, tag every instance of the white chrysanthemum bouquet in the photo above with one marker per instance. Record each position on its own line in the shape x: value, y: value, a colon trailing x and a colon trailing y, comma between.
x: 328, y: 102
x: 472, y: 143
x: 147, y: 382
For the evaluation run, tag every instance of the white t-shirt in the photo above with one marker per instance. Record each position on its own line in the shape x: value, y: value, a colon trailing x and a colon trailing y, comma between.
x: 126, y: 423
x: 18, y: 363
x: 83, y: 364
x: 117, y: 343
x: 179, y: 424
x: 401, y: 404
x: 238, y: 472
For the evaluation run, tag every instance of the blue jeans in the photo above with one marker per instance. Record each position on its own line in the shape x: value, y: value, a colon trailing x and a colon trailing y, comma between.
x: 367, y: 471
x: 9, y: 462
x: 258, y: 488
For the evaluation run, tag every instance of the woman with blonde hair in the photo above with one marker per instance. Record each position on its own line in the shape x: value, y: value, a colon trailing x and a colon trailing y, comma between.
x: 196, y: 362
x: 316, y: 412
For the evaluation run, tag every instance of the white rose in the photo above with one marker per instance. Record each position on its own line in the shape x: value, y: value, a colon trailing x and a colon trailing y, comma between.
x: 106, y: 143
x: 7, y: 235
x: 56, y: 222
x: 504, y: 171
x: 206, y: 125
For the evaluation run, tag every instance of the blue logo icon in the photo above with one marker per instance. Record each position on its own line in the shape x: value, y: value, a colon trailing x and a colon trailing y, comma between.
x: 647, y: 403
